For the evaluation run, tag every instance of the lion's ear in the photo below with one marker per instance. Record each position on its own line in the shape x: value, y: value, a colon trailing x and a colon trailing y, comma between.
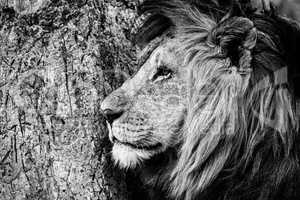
x: 236, y: 36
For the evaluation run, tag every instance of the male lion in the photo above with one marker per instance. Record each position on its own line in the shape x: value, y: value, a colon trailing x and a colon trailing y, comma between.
x: 211, y: 113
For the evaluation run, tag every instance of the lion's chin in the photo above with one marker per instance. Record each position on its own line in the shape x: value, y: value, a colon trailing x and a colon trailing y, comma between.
x: 126, y: 157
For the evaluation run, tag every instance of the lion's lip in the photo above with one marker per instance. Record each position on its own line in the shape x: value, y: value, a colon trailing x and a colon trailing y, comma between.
x: 137, y: 146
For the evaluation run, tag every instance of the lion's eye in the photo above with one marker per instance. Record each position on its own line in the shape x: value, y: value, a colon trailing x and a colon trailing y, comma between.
x: 163, y: 73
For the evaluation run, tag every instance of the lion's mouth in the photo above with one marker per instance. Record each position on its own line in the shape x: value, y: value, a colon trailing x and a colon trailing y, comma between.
x: 137, y: 146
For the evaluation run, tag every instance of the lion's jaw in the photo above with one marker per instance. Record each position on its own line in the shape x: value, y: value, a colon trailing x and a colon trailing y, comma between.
x: 127, y: 157
x: 131, y: 146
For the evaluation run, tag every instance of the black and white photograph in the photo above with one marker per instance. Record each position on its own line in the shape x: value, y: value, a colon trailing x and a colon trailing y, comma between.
x: 149, y: 99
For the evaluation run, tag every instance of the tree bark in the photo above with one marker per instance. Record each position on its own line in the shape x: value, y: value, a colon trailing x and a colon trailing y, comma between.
x: 58, y: 60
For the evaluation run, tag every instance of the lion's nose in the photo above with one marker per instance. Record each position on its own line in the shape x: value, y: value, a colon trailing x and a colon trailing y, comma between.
x: 114, y: 105
x: 111, y: 115
x: 112, y: 108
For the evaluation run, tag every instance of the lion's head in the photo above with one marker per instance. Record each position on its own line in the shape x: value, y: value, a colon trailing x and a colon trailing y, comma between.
x: 148, y: 110
x: 215, y: 86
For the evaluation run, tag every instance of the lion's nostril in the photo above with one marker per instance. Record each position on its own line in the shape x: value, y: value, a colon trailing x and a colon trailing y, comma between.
x: 113, y: 139
x: 111, y: 115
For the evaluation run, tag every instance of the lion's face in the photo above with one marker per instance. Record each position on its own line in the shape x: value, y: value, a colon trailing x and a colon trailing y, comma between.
x: 213, y: 88
x: 146, y: 113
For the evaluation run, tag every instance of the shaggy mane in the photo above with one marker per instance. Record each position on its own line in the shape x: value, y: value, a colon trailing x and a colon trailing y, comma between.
x: 241, y: 137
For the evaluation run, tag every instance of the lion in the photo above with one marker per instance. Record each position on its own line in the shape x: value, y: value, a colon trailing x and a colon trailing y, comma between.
x: 211, y: 112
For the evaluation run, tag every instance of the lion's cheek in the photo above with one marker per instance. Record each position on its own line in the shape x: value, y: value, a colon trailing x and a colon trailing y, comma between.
x: 126, y: 157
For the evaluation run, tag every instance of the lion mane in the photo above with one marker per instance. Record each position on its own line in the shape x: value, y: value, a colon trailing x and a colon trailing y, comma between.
x: 240, y: 139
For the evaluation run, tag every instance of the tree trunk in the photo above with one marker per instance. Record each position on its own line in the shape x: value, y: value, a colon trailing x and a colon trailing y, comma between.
x: 58, y: 60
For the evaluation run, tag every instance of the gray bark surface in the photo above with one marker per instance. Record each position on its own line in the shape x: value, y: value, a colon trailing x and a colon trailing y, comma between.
x: 58, y: 60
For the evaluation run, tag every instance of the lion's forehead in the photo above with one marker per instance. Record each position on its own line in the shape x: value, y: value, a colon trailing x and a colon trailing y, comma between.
x: 165, y: 54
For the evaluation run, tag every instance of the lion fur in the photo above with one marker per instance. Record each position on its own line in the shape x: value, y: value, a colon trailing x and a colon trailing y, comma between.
x: 241, y: 136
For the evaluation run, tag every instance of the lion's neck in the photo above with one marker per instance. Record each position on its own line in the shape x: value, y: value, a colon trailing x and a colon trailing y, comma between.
x: 156, y: 172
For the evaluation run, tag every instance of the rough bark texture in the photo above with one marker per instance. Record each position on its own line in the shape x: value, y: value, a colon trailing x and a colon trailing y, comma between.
x: 58, y: 60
